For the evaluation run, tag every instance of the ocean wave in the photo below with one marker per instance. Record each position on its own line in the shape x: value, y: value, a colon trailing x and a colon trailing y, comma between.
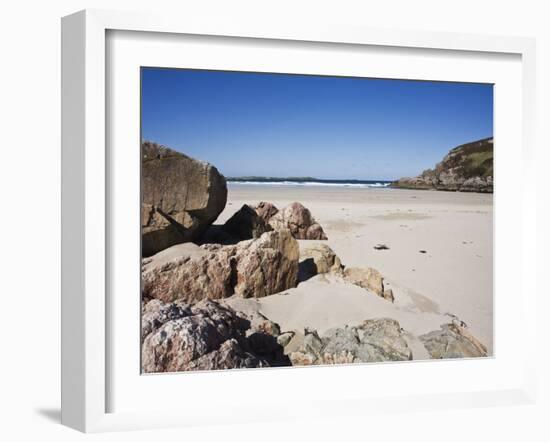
x: 310, y: 183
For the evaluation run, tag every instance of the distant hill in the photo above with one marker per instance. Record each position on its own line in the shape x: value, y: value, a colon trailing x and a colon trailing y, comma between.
x: 466, y: 168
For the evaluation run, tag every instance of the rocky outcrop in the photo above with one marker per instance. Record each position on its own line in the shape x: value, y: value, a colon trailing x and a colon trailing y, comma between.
x: 466, y: 168
x: 298, y: 219
x: 229, y: 355
x: 374, y: 340
x: 251, y: 221
x: 264, y: 336
x: 265, y: 210
x: 191, y: 275
x: 267, y: 265
x: 454, y: 340
x: 211, y: 335
x: 370, y: 279
x: 181, y: 197
x: 155, y: 313
x: 316, y: 259
x: 253, y: 268
x: 201, y: 337
x: 246, y: 223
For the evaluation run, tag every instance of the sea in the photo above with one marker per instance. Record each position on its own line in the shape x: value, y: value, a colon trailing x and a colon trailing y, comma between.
x: 269, y: 181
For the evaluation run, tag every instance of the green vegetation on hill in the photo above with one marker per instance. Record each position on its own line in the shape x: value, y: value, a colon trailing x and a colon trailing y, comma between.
x: 468, y: 168
x: 470, y: 160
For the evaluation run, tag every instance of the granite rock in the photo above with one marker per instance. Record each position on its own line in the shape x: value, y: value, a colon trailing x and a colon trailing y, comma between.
x: 181, y: 197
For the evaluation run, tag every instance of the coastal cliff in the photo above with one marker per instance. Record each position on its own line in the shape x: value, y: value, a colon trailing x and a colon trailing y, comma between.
x: 466, y: 168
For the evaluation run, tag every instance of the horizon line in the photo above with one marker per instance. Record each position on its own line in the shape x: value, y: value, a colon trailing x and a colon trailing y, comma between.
x: 302, y: 178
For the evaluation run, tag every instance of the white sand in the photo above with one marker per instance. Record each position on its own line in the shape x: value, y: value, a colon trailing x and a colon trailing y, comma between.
x: 453, y: 276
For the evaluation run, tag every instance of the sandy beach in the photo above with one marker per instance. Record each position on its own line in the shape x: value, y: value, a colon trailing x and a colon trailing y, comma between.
x: 314, y: 220
x: 438, y: 262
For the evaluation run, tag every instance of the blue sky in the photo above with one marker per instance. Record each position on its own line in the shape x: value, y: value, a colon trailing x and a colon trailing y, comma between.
x: 297, y: 125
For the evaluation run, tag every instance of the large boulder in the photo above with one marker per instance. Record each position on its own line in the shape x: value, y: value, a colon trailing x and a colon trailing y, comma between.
x: 298, y: 219
x: 206, y: 336
x: 253, y: 268
x: 246, y: 224
x: 191, y: 274
x: 181, y: 197
x: 267, y: 265
x: 453, y: 340
x: 375, y: 340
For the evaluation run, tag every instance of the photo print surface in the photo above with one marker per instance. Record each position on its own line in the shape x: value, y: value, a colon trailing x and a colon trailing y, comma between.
x: 302, y: 220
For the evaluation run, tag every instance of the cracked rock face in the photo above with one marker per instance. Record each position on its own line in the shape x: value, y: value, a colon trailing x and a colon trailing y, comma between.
x: 181, y: 197
x: 253, y: 268
x: 375, y: 340
x: 453, y: 341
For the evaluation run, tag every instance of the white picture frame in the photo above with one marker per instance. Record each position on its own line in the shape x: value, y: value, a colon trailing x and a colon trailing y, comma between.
x: 86, y: 316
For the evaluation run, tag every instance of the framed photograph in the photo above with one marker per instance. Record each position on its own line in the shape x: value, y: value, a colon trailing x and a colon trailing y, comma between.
x: 323, y: 216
